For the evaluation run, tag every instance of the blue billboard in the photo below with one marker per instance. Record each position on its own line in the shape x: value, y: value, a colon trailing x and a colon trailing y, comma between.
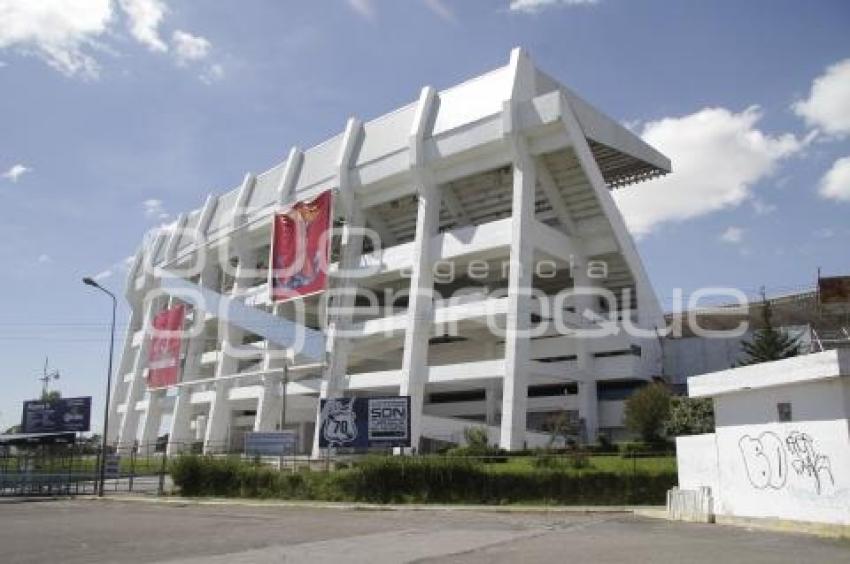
x: 65, y: 415
x: 279, y: 443
x: 365, y: 422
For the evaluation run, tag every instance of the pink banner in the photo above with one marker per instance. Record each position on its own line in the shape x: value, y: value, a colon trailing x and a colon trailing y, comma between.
x: 166, y: 342
x: 301, y: 249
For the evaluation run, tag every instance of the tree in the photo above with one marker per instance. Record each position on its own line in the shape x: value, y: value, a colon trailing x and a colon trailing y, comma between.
x: 689, y: 416
x: 51, y: 396
x: 647, y: 410
x: 13, y: 430
x: 768, y: 343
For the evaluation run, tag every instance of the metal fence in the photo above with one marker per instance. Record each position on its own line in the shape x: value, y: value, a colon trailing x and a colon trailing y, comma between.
x: 69, y: 470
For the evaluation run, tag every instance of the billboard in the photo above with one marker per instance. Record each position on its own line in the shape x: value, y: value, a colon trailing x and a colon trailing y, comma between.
x: 834, y: 290
x: 365, y: 422
x: 278, y: 443
x: 300, y: 249
x: 64, y: 415
x: 165, y: 345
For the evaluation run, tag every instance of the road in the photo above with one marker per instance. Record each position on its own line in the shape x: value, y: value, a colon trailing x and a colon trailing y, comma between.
x: 85, y: 531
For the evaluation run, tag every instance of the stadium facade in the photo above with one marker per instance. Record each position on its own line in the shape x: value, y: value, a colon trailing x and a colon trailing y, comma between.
x: 480, y: 266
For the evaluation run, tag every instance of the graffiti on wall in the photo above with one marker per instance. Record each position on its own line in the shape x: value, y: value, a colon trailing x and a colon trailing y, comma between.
x: 767, y: 459
x: 807, y: 461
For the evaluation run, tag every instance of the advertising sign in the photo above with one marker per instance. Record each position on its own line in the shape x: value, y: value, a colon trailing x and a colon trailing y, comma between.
x: 164, y: 352
x: 279, y: 443
x: 65, y: 415
x: 300, y: 249
x: 365, y: 422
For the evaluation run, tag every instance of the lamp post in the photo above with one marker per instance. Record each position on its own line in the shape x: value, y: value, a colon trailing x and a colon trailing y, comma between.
x: 102, y: 470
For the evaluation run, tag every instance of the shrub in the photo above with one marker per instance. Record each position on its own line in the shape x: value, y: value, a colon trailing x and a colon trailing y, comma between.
x: 689, y: 416
x: 423, y: 480
x: 647, y: 410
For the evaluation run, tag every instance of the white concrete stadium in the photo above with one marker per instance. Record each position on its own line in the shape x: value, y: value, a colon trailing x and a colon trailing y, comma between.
x: 491, y: 199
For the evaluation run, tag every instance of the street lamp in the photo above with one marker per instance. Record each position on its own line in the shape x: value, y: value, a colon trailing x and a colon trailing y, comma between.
x: 102, y: 470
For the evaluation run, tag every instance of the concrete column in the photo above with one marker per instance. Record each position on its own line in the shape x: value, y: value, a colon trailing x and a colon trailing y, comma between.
x: 151, y: 420
x: 588, y: 405
x: 339, y: 347
x: 518, y: 318
x: 269, y: 405
x: 125, y: 365
x: 137, y: 388
x: 180, y: 435
x: 218, y: 422
x: 420, y: 309
x: 588, y: 409
x: 339, y: 318
x: 491, y: 399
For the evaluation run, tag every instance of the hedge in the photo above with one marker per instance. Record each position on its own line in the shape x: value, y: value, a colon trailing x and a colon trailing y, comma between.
x: 418, y: 480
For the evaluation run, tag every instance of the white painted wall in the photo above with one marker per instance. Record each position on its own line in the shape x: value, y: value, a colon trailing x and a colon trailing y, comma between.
x: 697, y: 463
x: 759, y: 466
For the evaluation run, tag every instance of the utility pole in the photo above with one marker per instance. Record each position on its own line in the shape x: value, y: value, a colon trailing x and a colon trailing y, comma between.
x: 285, y: 382
x: 46, y: 377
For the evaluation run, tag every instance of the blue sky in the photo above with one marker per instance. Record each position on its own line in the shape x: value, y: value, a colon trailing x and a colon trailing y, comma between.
x: 116, y: 114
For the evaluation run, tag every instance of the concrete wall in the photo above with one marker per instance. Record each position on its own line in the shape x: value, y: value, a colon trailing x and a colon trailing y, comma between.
x: 758, y: 466
x: 697, y: 463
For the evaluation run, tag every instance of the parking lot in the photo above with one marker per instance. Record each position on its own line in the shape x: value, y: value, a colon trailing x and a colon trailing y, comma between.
x: 86, y: 531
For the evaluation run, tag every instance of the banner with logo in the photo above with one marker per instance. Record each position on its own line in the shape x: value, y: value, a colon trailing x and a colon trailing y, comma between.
x: 365, y: 422
x: 301, y: 241
x: 165, y: 345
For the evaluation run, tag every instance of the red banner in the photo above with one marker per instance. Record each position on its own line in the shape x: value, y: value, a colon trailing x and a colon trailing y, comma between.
x: 301, y: 242
x: 164, y: 352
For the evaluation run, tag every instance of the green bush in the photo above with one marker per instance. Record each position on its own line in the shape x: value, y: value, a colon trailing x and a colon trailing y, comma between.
x: 646, y: 411
x: 574, y: 459
x: 426, y: 479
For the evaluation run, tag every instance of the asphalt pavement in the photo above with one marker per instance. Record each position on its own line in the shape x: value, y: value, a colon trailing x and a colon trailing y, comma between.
x: 90, y: 532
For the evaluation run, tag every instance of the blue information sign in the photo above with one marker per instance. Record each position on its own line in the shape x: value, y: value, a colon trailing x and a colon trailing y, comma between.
x: 63, y: 415
x: 365, y: 422
x: 281, y: 443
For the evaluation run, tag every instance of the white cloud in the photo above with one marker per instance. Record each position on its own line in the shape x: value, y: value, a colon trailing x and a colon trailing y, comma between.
x: 44, y: 259
x: 439, y: 8
x: 761, y: 207
x: 15, y: 172
x: 103, y: 275
x: 717, y: 157
x: 154, y: 209
x: 214, y: 73
x: 144, y: 17
x: 732, y: 235
x: 188, y: 47
x: 364, y: 8
x: 835, y: 184
x: 61, y: 32
x: 530, y: 6
x: 120, y: 267
x: 824, y: 233
x: 828, y: 104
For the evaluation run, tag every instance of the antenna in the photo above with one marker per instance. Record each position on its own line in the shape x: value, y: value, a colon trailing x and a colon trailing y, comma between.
x: 46, y: 376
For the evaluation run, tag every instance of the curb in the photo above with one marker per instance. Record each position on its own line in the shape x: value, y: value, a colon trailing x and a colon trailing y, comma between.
x: 181, y: 501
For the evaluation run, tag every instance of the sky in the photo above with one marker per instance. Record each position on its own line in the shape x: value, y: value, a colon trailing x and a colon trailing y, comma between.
x: 116, y: 115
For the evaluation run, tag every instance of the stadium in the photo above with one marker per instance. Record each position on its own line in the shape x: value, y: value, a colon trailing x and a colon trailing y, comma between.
x: 477, y: 264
